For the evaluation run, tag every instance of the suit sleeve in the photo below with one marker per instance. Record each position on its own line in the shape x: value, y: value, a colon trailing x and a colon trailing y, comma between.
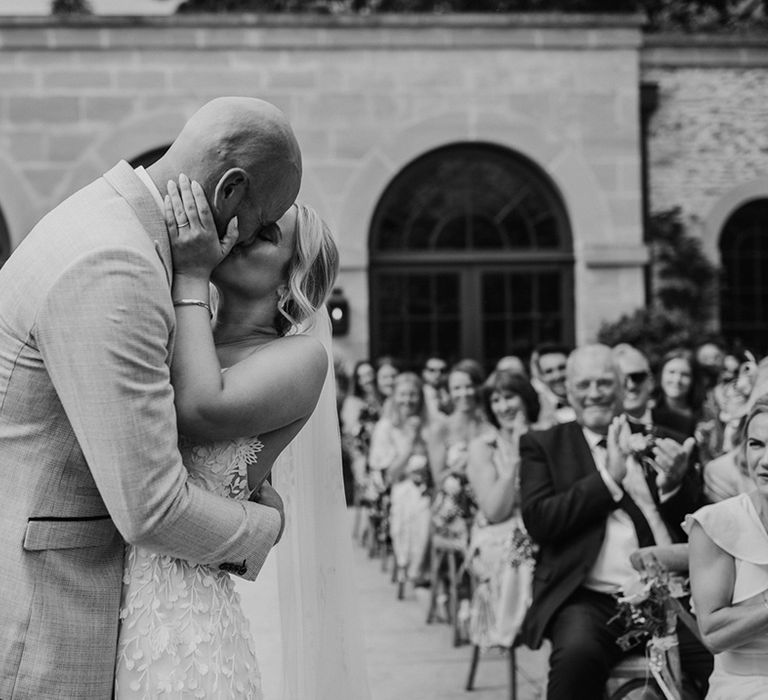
x: 102, y: 332
x: 557, y: 515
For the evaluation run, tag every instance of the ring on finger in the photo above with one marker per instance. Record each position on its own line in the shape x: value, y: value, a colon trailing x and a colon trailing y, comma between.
x: 182, y: 224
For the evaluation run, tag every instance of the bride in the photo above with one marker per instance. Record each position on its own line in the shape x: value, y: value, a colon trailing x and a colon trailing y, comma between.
x: 243, y: 393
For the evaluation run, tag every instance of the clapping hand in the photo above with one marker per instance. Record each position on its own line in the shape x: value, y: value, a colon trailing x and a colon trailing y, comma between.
x: 195, y: 243
x: 618, y: 448
x: 670, y: 459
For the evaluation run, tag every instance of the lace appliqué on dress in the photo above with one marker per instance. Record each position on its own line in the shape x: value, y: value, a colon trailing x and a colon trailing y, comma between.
x: 183, y: 633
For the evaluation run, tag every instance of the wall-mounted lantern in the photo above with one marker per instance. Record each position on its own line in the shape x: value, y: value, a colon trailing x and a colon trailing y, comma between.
x: 338, y: 310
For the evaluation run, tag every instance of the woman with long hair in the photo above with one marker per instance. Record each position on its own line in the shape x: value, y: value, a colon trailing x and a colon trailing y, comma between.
x: 500, y: 550
x: 400, y: 455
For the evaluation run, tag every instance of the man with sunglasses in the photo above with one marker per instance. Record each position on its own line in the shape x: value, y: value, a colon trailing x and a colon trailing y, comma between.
x: 643, y: 415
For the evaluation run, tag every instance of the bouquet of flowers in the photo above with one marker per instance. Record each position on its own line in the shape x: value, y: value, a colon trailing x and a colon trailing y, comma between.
x: 522, y: 548
x: 647, y: 611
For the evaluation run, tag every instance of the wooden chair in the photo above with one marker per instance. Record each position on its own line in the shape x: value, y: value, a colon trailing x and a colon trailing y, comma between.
x: 470, y: 685
x: 631, y: 678
x: 445, y: 553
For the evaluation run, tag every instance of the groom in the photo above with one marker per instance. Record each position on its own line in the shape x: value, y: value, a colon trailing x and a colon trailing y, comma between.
x: 88, y: 455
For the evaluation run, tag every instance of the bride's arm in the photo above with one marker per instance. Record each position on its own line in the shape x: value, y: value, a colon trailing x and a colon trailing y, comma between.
x: 274, y: 389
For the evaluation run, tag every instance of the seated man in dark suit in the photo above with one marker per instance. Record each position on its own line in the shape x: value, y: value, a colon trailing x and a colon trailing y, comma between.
x: 588, y: 505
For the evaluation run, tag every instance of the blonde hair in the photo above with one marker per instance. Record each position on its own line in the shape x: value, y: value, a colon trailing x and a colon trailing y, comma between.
x: 311, y: 271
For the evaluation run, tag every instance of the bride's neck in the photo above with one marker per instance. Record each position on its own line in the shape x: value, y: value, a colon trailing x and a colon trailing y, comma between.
x: 241, y: 322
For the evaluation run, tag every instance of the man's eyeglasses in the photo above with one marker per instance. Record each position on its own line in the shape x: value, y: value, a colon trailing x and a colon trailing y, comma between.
x: 432, y: 368
x: 636, y: 377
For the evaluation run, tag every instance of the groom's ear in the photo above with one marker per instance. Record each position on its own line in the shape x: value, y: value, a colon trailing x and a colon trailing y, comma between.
x: 230, y: 191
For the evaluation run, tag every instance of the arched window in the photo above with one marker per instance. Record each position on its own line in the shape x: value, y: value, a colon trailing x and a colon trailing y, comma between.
x: 470, y: 256
x: 744, y: 286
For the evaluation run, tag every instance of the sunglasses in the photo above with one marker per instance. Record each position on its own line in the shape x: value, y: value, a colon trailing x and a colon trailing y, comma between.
x: 636, y: 377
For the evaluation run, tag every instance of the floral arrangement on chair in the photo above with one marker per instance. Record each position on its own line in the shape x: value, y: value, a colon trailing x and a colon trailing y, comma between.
x: 647, y: 610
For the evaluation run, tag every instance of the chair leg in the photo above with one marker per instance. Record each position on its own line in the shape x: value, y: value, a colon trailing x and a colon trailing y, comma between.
x: 453, y: 602
x: 512, y: 674
x: 473, y: 667
x: 434, y: 566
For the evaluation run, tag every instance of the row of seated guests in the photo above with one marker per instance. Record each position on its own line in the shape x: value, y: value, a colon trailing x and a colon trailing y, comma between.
x: 586, y: 504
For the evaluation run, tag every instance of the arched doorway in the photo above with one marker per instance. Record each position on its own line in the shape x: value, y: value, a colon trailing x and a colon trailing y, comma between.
x: 470, y: 256
x: 744, y: 287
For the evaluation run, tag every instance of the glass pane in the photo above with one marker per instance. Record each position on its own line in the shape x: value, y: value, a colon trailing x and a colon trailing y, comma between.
x: 744, y: 289
x: 549, y: 293
x: 494, y: 293
x: 469, y: 195
x: 495, y: 340
x: 521, y: 290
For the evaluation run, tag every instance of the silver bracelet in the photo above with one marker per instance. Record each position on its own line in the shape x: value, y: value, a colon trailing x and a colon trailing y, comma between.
x: 194, y: 302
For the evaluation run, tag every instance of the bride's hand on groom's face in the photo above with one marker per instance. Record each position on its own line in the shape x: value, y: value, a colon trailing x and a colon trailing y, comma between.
x: 267, y: 496
x: 195, y: 243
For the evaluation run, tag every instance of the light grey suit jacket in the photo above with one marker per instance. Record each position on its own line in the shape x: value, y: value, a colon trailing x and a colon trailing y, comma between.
x: 88, y: 441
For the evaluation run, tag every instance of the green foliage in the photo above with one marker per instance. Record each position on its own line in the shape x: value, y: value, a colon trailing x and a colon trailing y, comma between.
x: 653, y: 331
x: 683, y: 290
x: 71, y: 7
x: 662, y: 15
x: 683, y: 277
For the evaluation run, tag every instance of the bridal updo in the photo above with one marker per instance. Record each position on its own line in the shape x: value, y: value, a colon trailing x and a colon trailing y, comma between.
x: 311, y: 271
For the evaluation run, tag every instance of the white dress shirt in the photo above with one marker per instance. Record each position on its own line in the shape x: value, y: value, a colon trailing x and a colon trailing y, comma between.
x: 612, y: 570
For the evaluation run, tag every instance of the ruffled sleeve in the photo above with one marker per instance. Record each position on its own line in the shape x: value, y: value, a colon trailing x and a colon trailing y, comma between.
x: 734, y: 526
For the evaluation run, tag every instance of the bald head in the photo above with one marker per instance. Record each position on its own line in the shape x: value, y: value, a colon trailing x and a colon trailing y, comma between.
x: 244, y: 153
x: 594, y: 388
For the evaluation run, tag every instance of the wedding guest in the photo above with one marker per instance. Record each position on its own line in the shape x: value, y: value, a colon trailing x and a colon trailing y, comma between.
x: 548, y: 378
x: 466, y: 420
x: 433, y: 374
x: 729, y: 575
x: 676, y: 398
x: 399, y: 454
x: 387, y: 368
x: 512, y: 363
x: 728, y: 475
x: 359, y: 412
x: 638, y: 387
x: 587, y: 505
x: 454, y: 505
x: 503, y: 573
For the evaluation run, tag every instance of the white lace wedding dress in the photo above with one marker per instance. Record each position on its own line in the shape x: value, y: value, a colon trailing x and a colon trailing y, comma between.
x: 182, y: 631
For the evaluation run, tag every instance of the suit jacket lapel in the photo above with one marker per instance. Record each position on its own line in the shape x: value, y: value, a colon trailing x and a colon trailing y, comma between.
x: 129, y: 186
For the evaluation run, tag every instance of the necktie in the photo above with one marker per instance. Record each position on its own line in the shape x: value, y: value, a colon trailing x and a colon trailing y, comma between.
x: 642, y: 528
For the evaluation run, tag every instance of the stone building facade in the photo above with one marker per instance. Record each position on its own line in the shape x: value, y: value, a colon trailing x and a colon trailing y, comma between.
x: 390, y: 109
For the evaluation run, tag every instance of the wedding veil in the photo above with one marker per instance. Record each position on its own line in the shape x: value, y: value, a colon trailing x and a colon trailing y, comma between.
x: 322, y: 641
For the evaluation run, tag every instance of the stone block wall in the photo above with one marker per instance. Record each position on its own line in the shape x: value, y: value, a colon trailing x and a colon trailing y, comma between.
x: 708, y: 139
x: 366, y: 97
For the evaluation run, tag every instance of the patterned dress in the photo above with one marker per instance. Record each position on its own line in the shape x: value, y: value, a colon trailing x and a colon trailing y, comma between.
x: 183, y: 633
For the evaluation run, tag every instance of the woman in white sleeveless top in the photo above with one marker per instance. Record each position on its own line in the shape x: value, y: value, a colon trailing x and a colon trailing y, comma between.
x: 729, y: 575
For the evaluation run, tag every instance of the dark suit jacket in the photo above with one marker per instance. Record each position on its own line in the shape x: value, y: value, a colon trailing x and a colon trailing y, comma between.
x: 565, y: 504
x: 664, y: 416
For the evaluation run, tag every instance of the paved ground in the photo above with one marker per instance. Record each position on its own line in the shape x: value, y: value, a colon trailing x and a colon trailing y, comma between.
x: 410, y: 660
